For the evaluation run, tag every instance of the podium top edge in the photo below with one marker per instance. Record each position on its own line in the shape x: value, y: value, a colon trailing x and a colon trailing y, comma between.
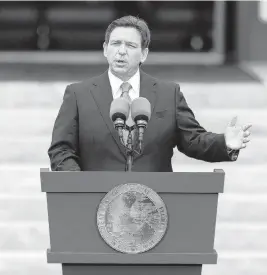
x: 164, y: 182
x: 221, y: 171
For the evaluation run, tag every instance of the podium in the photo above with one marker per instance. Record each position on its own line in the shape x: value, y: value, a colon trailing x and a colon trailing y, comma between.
x: 191, y: 201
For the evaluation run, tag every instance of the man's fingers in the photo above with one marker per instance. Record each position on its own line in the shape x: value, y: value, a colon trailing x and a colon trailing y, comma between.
x: 245, y: 140
x: 233, y: 121
x: 246, y: 127
x: 246, y: 134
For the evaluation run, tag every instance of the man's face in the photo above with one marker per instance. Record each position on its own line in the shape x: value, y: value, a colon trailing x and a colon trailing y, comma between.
x: 124, y: 52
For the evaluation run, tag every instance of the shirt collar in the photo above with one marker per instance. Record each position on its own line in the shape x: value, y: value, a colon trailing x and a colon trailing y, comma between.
x: 116, y: 82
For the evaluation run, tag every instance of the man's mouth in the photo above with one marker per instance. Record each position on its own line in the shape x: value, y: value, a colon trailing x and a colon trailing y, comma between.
x: 120, y: 61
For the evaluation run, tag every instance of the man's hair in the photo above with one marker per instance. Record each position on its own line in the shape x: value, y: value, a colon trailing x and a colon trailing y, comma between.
x: 131, y: 22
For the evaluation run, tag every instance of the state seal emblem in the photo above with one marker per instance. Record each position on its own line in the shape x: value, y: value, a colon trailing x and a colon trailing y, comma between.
x: 132, y: 218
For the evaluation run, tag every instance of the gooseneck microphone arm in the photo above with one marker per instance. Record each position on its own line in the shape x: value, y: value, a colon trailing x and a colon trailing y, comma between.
x: 140, y: 112
x: 119, y: 112
x: 119, y: 125
x: 141, y: 126
x: 129, y: 152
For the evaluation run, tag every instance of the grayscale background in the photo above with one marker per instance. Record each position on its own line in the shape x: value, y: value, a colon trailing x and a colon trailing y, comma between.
x: 215, y: 50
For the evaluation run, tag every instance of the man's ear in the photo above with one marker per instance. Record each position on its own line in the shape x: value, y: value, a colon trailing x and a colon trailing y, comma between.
x: 105, y: 49
x: 144, y: 55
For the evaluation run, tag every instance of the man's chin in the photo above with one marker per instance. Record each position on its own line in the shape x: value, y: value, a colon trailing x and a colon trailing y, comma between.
x: 118, y: 70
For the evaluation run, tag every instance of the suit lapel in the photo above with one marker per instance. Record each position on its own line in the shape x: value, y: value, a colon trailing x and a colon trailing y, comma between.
x: 148, y: 89
x: 101, y: 91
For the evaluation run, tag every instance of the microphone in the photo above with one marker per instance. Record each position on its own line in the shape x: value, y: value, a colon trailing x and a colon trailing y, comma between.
x: 119, y: 113
x: 141, y: 113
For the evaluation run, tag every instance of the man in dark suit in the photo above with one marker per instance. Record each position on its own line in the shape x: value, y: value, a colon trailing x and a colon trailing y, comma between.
x: 84, y: 137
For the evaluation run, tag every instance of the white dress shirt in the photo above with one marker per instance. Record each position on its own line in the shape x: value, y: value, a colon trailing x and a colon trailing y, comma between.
x: 115, y: 84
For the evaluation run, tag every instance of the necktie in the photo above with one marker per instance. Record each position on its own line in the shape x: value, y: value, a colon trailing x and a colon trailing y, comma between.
x: 125, y: 88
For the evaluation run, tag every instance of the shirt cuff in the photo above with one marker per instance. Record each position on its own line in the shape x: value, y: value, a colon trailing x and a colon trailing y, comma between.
x: 233, y: 154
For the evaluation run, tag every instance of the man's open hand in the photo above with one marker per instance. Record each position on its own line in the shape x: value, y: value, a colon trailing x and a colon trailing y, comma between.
x: 236, y: 137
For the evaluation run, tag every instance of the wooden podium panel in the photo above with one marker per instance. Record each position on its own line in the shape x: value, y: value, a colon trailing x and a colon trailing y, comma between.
x: 191, y: 201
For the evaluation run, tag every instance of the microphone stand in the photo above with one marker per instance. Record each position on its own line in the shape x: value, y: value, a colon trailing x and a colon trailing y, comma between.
x: 129, y: 146
x: 141, y: 125
x: 129, y: 152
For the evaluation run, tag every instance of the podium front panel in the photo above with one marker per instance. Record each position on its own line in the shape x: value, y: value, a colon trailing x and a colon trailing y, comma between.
x: 73, y: 224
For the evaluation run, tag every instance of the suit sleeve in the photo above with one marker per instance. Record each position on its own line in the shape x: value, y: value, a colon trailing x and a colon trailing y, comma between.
x: 63, y: 151
x: 193, y: 140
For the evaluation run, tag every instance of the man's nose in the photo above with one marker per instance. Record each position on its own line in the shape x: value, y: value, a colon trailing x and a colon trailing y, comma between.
x: 122, y: 49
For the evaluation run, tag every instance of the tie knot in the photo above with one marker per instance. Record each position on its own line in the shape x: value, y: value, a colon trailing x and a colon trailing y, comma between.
x: 125, y: 87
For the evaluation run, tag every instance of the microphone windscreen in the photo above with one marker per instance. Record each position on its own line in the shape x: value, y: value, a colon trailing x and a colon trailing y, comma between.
x: 141, y: 109
x: 119, y: 108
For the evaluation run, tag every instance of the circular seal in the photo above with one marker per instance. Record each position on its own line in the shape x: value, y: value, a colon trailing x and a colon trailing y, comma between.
x: 132, y: 218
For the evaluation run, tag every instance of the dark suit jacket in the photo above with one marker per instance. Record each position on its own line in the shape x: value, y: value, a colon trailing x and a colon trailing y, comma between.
x: 84, y: 137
